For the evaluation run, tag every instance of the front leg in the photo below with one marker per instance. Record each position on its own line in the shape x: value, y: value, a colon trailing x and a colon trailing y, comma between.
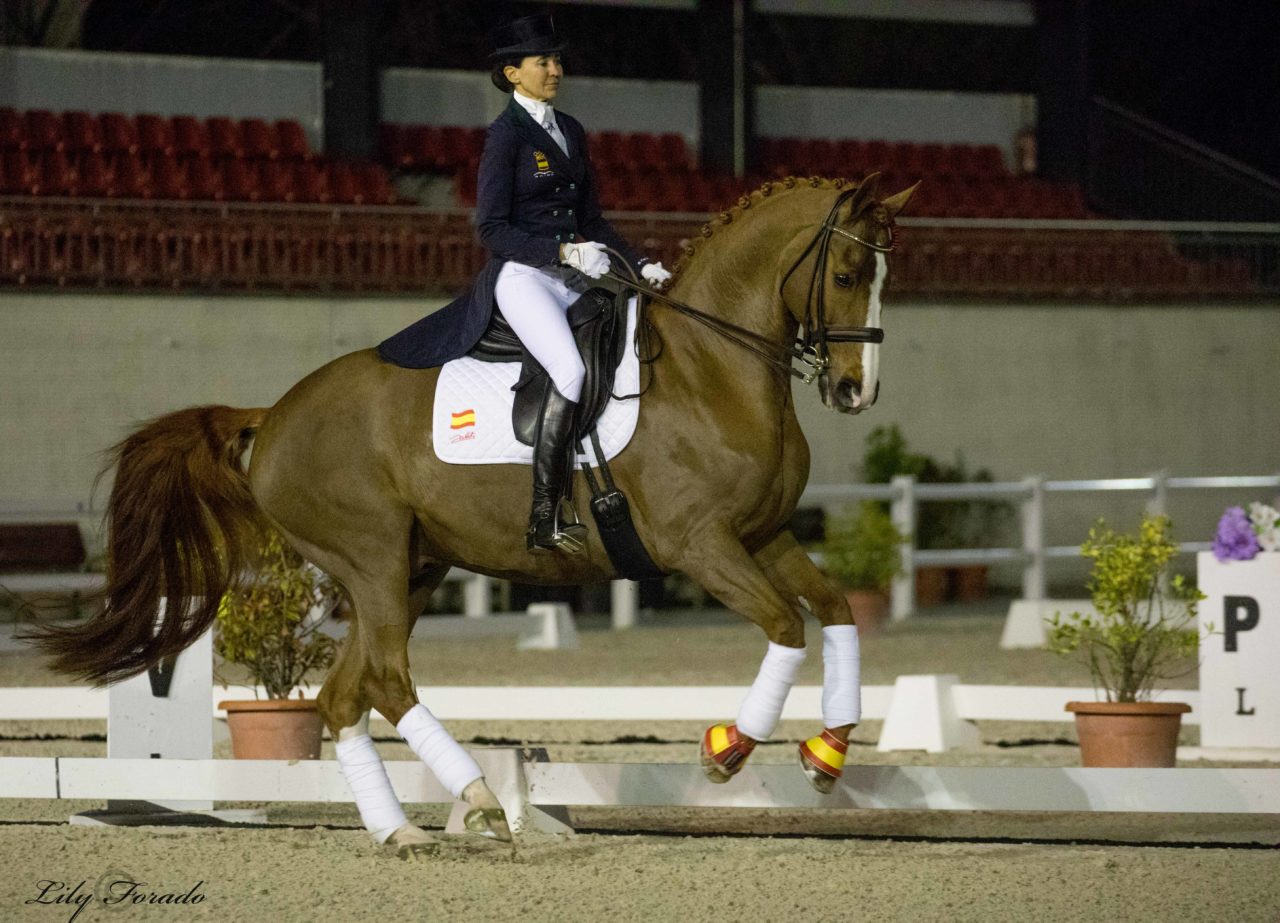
x: 790, y: 569
x: 724, y: 568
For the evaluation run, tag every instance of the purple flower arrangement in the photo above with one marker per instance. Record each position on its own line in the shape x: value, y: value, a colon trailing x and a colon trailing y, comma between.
x: 1241, y: 536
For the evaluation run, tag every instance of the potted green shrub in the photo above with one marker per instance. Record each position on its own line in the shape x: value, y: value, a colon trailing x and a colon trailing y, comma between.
x: 861, y: 551
x: 271, y: 627
x: 940, y: 524
x: 1143, y: 631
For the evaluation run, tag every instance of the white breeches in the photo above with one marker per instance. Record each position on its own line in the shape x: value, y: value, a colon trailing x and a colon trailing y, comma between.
x: 534, y: 303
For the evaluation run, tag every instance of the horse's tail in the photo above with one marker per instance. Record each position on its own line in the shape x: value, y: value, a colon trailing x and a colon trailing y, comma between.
x: 182, y: 525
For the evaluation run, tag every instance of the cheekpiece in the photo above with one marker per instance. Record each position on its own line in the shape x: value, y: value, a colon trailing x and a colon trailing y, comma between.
x: 528, y: 35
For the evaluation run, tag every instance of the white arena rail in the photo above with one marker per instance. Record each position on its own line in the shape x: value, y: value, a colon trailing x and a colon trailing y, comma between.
x: 548, y: 785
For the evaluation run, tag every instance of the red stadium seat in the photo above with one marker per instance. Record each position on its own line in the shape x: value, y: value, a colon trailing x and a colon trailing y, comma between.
x: 82, y: 132
x: 132, y: 179
x: 190, y: 137
x: 277, y: 182
x: 13, y: 133
x: 21, y: 174
x: 224, y: 137
x: 204, y: 180
x: 44, y: 131
x: 311, y: 182
x: 609, y: 151
x: 292, y: 140
x: 58, y: 177
x: 169, y: 180
x: 155, y: 135
x: 344, y: 186
x: 119, y: 134
x: 258, y: 140
x: 424, y: 148
x: 96, y: 176
x: 673, y: 151
x: 375, y: 185
x: 240, y: 181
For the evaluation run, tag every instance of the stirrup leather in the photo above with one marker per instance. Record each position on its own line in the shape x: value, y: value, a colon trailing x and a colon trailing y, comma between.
x: 822, y: 759
x: 724, y: 752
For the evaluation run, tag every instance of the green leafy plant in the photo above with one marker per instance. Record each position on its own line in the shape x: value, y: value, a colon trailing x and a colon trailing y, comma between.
x: 861, y: 548
x: 940, y: 524
x: 1140, y: 634
x: 266, y: 625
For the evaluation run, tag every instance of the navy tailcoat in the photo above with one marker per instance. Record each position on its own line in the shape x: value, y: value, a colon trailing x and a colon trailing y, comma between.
x: 531, y: 197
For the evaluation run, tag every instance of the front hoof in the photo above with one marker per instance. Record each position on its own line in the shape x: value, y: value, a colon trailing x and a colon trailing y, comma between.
x: 488, y: 822
x: 822, y: 759
x: 723, y: 752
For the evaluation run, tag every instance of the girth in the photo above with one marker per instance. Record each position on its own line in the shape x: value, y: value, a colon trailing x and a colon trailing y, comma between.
x: 598, y: 321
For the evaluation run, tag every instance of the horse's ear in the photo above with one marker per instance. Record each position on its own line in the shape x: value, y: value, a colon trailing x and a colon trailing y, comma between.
x: 866, y: 192
x: 896, y: 203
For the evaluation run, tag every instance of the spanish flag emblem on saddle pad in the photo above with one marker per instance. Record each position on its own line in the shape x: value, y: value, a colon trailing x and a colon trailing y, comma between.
x: 462, y: 418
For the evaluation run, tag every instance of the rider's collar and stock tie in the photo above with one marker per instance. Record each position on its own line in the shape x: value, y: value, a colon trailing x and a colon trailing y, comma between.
x: 811, y: 349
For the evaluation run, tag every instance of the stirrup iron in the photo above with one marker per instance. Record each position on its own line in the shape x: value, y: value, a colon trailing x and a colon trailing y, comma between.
x: 570, y: 535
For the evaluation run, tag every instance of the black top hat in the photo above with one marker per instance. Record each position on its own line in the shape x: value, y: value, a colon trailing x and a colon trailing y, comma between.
x: 528, y: 35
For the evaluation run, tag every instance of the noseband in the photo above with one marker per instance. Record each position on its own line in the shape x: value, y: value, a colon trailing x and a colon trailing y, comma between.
x: 812, y: 346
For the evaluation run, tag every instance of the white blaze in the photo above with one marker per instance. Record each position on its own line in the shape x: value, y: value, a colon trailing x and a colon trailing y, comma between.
x: 871, y: 351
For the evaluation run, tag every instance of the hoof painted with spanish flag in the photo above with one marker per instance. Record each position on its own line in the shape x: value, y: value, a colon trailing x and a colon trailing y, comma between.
x: 724, y: 751
x: 822, y: 759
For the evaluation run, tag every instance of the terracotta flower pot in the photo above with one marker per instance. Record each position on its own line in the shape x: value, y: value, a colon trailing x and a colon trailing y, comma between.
x: 870, y: 609
x: 274, y: 729
x: 931, y: 586
x: 969, y: 583
x: 1128, y: 734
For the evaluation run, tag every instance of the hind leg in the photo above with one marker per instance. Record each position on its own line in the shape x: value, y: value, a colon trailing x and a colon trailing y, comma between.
x: 794, y: 574
x: 374, y: 673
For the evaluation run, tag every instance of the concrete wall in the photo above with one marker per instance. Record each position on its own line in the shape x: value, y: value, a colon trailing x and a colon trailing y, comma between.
x: 1063, y: 391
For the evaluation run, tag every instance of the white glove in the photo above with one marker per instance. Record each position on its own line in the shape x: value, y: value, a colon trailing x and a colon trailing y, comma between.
x: 655, y: 274
x: 588, y: 258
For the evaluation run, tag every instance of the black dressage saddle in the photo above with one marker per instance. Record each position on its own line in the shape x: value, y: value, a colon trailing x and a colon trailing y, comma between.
x: 598, y: 320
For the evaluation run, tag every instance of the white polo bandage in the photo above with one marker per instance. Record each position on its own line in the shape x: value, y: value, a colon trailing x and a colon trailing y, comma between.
x: 763, y: 705
x: 841, y: 684
x: 444, y: 756
x: 362, y: 766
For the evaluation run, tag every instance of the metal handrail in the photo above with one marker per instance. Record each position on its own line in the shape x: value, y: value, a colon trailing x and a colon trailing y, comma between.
x: 905, y: 493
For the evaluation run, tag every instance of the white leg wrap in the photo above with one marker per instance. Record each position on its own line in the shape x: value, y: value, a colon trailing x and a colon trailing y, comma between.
x: 763, y: 705
x: 444, y: 756
x: 841, y: 686
x: 379, y: 808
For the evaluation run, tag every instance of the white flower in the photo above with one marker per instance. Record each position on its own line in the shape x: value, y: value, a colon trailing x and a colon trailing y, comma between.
x: 1266, y: 525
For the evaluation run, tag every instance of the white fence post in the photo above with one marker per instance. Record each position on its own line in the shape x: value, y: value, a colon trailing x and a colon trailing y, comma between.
x: 625, y: 599
x: 477, y: 596
x: 903, y: 511
x: 1033, y: 579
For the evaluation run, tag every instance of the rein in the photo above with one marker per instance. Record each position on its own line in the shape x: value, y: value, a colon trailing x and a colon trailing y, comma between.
x: 811, y: 349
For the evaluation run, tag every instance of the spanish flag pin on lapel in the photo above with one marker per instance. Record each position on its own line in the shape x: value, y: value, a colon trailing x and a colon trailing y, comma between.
x: 540, y: 159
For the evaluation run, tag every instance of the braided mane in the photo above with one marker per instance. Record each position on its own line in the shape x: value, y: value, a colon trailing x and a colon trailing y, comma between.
x: 744, y: 203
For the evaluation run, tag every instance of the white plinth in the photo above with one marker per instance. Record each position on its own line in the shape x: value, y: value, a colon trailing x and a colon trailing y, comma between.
x: 1239, y: 680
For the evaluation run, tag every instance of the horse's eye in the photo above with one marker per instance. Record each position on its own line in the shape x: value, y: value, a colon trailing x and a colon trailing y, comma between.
x: 843, y: 279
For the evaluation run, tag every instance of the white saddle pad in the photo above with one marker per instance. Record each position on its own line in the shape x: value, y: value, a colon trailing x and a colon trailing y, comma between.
x: 471, y: 423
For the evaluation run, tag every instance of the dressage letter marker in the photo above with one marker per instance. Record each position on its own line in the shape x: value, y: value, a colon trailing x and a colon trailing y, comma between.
x: 1239, y: 685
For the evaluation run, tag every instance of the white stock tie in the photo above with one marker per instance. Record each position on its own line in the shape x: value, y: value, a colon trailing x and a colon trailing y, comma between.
x: 549, y: 123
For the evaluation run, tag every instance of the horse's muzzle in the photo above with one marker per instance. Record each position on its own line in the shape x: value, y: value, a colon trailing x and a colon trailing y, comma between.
x: 845, y: 396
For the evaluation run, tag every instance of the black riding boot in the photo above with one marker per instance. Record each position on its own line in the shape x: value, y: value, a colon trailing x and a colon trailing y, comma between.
x: 552, y: 465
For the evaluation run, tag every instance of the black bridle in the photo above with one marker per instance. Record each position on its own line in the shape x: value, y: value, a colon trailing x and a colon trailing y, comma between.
x: 817, y: 333
x: 811, y: 348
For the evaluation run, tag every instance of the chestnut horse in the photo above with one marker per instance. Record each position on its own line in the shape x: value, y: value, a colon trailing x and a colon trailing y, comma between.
x: 343, y: 467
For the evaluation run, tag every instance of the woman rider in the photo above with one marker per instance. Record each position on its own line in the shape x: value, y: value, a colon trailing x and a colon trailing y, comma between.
x: 538, y: 215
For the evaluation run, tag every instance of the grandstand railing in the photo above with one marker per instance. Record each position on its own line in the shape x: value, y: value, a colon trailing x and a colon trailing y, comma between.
x: 224, y: 246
